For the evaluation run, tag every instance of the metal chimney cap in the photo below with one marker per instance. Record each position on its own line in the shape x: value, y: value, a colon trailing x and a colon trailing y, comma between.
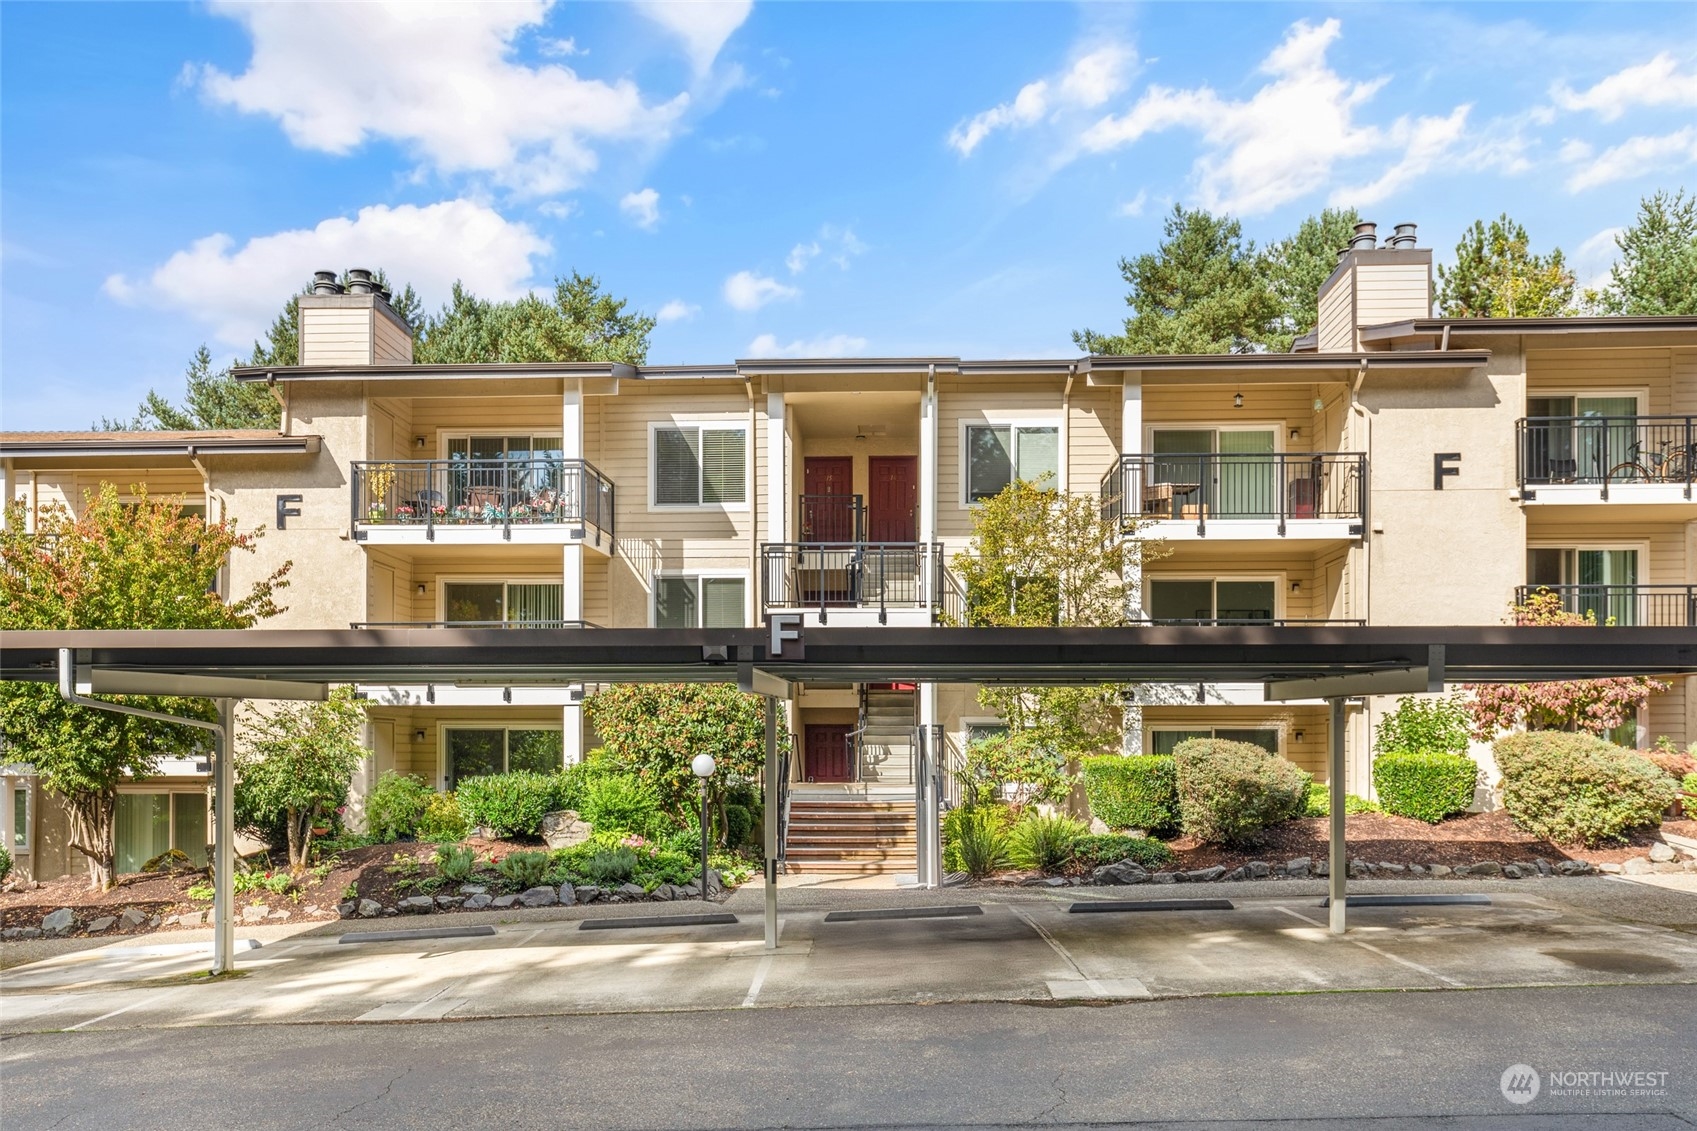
x: 324, y: 283
x: 359, y: 281
x: 1366, y: 235
x: 1403, y: 237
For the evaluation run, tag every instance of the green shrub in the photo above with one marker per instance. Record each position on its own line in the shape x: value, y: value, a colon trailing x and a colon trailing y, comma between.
x: 455, y: 863
x: 5, y: 863
x: 524, y: 869
x: 1424, y: 726
x: 739, y: 826
x: 1045, y: 843
x: 1426, y: 786
x: 1689, y: 786
x: 1015, y: 766
x: 621, y: 803
x: 975, y: 839
x: 442, y: 819
x: 611, y: 866
x: 1320, y: 802
x: 1095, y: 851
x: 509, y: 804
x: 1137, y: 791
x: 1577, y: 788
x: 1229, y: 791
x: 395, y: 805
x: 577, y: 778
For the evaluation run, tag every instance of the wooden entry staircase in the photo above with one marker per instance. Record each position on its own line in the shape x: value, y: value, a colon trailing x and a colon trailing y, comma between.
x: 851, y: 835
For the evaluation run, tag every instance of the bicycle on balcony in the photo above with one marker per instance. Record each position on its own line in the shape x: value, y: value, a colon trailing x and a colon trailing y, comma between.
x: 1673, y: 464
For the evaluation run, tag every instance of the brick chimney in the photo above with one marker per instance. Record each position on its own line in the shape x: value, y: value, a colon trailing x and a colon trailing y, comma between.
x: 1372, y: 285
x: 351, y: 325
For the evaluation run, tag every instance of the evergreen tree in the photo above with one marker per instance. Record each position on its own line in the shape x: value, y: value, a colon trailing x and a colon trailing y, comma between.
x: 1657, y: 271
x: 581, y: 323
x: 1203, y: 290
x: 1497, y: 276
x: 1296, y: 267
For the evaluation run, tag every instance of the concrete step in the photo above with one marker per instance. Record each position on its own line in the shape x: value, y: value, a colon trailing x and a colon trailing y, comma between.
x: 805, y: 854
x: 850, y: 867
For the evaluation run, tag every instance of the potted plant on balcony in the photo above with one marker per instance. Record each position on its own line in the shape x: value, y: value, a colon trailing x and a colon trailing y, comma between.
x: 404, y: 513
x: 379, y: 481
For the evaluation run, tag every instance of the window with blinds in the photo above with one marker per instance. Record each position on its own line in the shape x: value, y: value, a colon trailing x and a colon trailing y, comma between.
x: 538, y: 604
x: 699, y: 602
x: 696, y: 466
x: 997, y: 454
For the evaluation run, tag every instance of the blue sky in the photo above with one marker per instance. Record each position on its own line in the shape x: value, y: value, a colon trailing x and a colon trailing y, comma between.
x: 772, y: 179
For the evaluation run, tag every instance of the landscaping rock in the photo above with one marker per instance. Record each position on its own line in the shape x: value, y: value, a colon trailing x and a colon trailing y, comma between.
x: 715, y: 884
x: 1511, y: 871
x: 252, y: 913
x: 280, y: 913
x: 1609, y: 869
x: 29, y: 932
x: 369, y: 909
x: 1661, y: 854
x: 56, y: 921
x: 153, y: 922
x: 588, y: 893
x: 1299, y: 868
x: 131, y: 918
x: 1164, y: 878
x: 1099, y: 827
x: 564, y: 828
x: 1238, y: 873
x: 1322, y: 867
x: 501, y: 902
x: 474, y: 889
x: 476, y: 903
x: 567, y: 895
x: 1637, y: 866
x: 662, y: 893
x: 417, y: 905
x: 539, y: 897
x: 1544, y: 867
x: 1125, y: 872
x: 636, y: 891
x: 102, y: 924
x: 449, y: 900
x: 1576, y: 868
x: 1393, y: 869
x: 1258, y: 869
x: 1485, y: 868
x: 1665, y: 866
x: 1417, y: 869
x: 347, y: 909
x: 1205, y: 875
x: 8, y: 932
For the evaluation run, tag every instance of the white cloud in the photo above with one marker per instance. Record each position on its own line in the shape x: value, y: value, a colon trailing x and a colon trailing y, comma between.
x: 1134, y: 206
x: 1635, y: 157
x: 832, y: 345
x: 237, y: 291
x: 747, y: 291
x: 703, y: 25
x: 677, y: 311
x: 838, y: 245
x: 1090, y: 81
x: 1656, y: 83
x: 1283, y: 141
x: 557, y: 209
x: 438, y: 79
x: 1594, y: 258
x: 642, y: 207
x: 1425, y: 142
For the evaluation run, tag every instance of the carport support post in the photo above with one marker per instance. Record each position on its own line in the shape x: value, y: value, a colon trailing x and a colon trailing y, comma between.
x: 224, y: 863
x: 1337, y: 848
x: 773, y: 798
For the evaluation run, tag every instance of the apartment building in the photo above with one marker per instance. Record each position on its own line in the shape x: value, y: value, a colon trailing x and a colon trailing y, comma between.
x: 1394, y: 468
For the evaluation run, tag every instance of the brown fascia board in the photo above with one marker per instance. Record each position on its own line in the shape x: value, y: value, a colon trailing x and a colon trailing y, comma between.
x: 1429, y: 327
x: 47, y: 445
x: 752, y: 367
x: 414, y: 372
x: 1299, y: 362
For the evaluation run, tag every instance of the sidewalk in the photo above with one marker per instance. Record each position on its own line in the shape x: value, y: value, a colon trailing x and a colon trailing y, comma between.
x: 1008, y: 945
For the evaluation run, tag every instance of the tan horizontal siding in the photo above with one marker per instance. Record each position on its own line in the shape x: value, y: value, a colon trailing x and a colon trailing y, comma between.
x: 1388, y: 292
x: 516, y: 416
x: 1093, y: 428
x: 1337, y: 318
x: 1229, y: 564
x: 336, y: 336
x: 424, y: 757
x: 393, y: 345
x: 1558, y: 372
x: 1683, y: 393
x: 1665, y: 541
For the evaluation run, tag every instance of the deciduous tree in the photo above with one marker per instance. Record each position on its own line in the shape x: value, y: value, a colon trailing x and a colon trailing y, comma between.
x: 294, y: 765
x: 117, y: 564
x: 1496, y: 275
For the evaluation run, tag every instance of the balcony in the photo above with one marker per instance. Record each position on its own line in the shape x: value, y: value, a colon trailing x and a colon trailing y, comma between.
x: 854, y: 582
x: 473, y: 624
x: 1312, y: 495
x: 474, y: 501
x: 1641, y: 606
x: 1600, y: 459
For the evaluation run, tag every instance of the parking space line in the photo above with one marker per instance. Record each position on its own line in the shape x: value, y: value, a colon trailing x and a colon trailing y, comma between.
x: 761, y: 970
x: 121, y: 1009
x: 1447, y: 980
x: 1095, y: 987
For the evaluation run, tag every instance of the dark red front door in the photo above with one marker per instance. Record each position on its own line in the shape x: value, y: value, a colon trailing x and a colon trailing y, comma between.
x: 893, y: 509
x: 827, y: 752
x: 827, y: 505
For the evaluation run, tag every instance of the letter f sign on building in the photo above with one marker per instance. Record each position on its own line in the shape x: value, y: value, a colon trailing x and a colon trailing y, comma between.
x: 786, y: 629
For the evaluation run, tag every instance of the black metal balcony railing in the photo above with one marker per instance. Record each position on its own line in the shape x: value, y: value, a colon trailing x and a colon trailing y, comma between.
x: 833, y: 518
x: 1606, y: 450
x: 497, y: 492
x: 1263, y: 622
x: 1640, y: 606
x: 1281, y: 487
x: 882, y: 576
x: 473, y: 624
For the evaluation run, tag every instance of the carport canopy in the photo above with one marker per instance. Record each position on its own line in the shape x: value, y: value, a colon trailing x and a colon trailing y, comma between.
x: 1306, y: 662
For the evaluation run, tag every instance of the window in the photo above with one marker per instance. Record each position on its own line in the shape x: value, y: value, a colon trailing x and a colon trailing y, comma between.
x: 1185, y: 600
x: 538, y: 604
x: 1580, y: 438
x: 1231, y: 471
x: 476, y: 751
x: 978, y: 732
x: 20, y: 818
x: 1599, y: 582
x: 514, y: 448
x: 699, y: 465
x: 997, y: 454
x: 1163, y: 741
x: 152, y: 823
x: 700, y: 602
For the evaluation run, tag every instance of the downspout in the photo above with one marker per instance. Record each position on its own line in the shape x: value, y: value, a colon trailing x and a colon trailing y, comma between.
x: 1366, y: 548
x: 753, y: 499
x: 224, y: 867
x: 1066, y: 430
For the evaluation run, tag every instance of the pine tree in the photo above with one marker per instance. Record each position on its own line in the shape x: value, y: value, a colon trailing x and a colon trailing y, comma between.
x: 1657, y: 270
x: 1297, y: 266
x: 1497, y: 276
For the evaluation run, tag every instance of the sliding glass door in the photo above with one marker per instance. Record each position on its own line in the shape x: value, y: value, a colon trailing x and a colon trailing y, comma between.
x: 1231, y: 471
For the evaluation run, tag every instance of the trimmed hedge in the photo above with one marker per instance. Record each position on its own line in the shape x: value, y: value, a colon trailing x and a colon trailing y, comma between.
x: 509, y: 804
x: 1427, y: 787
x: 1095, y: 851
x: 1320, y: 802
x: 1578, y: 788
x: 396, y: 805
x: 1136, y: 791
x: 1229, y: 791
